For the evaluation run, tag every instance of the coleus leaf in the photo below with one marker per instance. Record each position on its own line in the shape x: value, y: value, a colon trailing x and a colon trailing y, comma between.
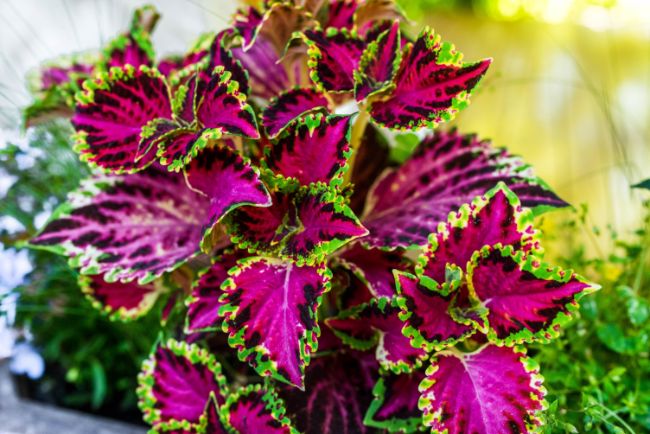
x: 431, y: 85
x: 338, y: 389
x: 525, y: 300
x: 426, y: 314
x: 494, y: 218
x: 222, y: 106
x: 394, y: 351
x: 221, y: 56
x: 374, y: 267
x: 203, y: 304
x: 245, y: 23
x: 446, y: 171
x: 314, y: 149
x: 340, y: 14
x: 348, y: 290
x: 228, y: 180
x: 269, y: 313
x: 176, y: 383
x: 129, y: 227
x: 378, y: 64
x: 333, y: 57
x: 279, y: 22
x: 111, y: 113
x: 257, y: 410
x: 290, y: 105
x: 133, y: 48
x: 267, y: 75
x: 123, y: 301
x: 492, y: 390
x: 395, y: 404
x: 306, y: 225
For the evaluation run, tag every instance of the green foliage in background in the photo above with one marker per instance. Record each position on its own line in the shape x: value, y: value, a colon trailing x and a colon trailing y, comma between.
x: 598, y: 372
x: 92, y: 362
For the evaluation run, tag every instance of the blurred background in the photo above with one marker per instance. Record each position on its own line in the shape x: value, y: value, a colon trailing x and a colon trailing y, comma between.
x: 569, y: 90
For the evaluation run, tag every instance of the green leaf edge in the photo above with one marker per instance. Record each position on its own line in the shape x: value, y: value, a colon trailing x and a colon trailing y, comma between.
x: 144, y: 391
x: 235, y: 337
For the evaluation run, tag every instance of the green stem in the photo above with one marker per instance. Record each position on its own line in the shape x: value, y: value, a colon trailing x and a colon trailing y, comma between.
x: 359, y: 127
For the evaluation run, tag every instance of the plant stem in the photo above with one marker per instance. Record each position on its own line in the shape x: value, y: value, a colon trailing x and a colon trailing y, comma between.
x: 359, y: 127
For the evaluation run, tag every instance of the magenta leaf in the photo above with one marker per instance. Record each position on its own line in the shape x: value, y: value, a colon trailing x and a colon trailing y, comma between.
x: 290, y: 105
x: 213, y: 418
x: 128, y: 227
x: 304, y: 226
x: 221, y: 106
x: 431, y: 86
x: 426, y: 314
x: 111, y: 113
x: 227, y: 180
x: 263, y: 228
x: 338, y: 390
x: 379, y: 64
x: 492, y: 390
x: 446, y: 171
x: 123, y: 301
x: 220, y: 55
x: 333, y: 58
x: 257, y: 410
x: 495, y: 218
x: 340, y: 13
x: 269, y: 313
x: 395, y: 404
x: 133, y: 48
x: 176, y: 383
x: 314, y: 149
x: 203, y: 304
x: 326, y: 224
x: 526, y: 300
x: 267, y: 76
x: 374, y: 267
x: 394, y: 351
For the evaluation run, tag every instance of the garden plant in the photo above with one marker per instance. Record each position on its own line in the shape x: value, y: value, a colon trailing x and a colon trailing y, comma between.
x: 315, y: 273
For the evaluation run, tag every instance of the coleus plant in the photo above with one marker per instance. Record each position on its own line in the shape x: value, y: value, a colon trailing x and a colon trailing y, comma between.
x: 247, y: 188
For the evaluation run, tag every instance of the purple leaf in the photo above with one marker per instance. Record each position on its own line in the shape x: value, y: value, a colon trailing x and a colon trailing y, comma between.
x: 395, y: 403
x: 203, y: 304
x: 228, y: 180
x: 256, y: 410
x: 267, y: 76
x: 221, y: 106
x: 53, y: 75
x: 337, y: 394
x: 269, y: 314
x: 495, y: 218
x: 129, y: 227
x: 110, y: 115
x: 492, y: 390
x: 124, y: 301
x: 447, y: 171
x: 375, y: 268
x: 246, y: 23
x: 134, y: 48
x: 214, y: 423
x: 313, y: 149
x: 290, y: 105
x: 340, y: 14
x: 348, y: 290
x: 426, y: 315
x: 432, y: 84
x: 333, y: 58
x: 178, y: 147
x: 326, y: 222
x: 379, y: 64
x: 221, y: 56
x: 262, y: 229
x: 526, y: 300
x: 394, y: 351
x: 176, y: 383
x: 305, y: 226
